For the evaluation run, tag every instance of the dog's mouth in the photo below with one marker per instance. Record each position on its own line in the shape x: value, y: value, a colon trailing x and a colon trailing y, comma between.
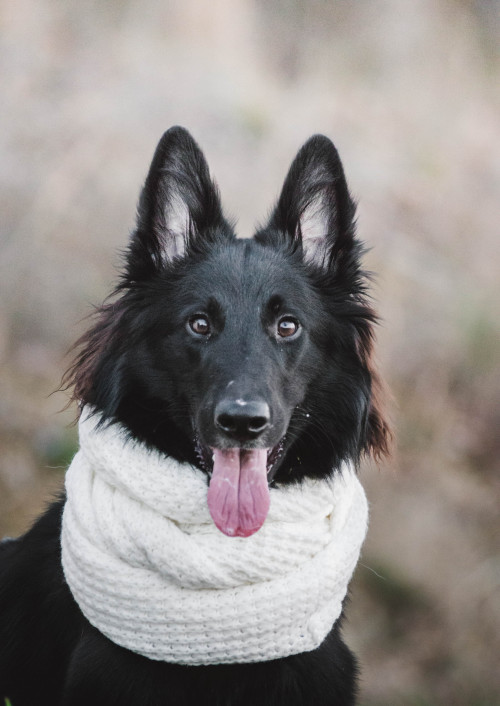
x: 238, y: 494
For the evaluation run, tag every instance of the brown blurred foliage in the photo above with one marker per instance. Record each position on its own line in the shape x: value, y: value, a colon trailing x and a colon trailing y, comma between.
x: 410, y: 93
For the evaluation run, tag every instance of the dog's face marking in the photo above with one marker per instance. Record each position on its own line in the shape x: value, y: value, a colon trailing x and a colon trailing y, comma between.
x: 250, y: 358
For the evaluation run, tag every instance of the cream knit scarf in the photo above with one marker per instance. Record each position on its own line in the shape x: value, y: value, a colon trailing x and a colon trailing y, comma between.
x: 150, y: 570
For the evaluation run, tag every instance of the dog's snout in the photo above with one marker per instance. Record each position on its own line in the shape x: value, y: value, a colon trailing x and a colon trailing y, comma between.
x: 242, y: 420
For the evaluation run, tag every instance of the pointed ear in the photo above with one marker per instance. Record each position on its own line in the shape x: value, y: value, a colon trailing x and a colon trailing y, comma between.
x: 178, y: 204
x: 315, y: 208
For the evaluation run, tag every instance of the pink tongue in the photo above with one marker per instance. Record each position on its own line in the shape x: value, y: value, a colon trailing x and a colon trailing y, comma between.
x: 238, y: 495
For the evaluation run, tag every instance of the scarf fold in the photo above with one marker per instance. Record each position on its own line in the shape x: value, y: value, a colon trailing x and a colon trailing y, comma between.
x: 149, y: 569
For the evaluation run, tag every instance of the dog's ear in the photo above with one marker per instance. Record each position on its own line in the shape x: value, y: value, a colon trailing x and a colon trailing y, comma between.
x: 315, y: 208
x: 179, y: 203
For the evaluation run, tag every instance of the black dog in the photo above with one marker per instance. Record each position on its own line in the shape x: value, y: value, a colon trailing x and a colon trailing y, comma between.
x: 200, y: 321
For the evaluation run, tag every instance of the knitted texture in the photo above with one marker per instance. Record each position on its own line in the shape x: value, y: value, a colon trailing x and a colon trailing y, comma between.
x: 150, y: 570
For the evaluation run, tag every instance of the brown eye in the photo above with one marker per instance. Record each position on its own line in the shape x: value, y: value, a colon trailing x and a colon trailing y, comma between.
x: 287, y: 327
x: 199, y: 325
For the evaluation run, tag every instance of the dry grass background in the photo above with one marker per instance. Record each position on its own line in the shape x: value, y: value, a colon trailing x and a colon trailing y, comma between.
x: 410, y: 93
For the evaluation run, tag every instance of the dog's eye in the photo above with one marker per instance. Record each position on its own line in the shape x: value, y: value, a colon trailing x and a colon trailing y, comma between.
x: 199, y: 325
x: 287, y: 327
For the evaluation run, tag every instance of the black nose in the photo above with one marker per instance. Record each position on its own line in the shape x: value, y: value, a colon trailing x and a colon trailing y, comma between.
x: 242, y: 420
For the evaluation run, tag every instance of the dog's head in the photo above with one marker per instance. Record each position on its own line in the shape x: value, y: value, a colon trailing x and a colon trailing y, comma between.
x: 251, y: 358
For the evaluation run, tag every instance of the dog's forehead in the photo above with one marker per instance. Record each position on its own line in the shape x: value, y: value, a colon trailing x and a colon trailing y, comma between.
x: 250, y: 270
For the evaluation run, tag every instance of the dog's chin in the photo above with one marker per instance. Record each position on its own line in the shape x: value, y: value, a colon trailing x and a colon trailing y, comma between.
x: 204, y: 454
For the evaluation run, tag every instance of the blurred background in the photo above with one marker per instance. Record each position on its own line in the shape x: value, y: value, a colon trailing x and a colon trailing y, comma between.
x: 409, y: 90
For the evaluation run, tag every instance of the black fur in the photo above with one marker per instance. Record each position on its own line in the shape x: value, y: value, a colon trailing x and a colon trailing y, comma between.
x: 196, y: 322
